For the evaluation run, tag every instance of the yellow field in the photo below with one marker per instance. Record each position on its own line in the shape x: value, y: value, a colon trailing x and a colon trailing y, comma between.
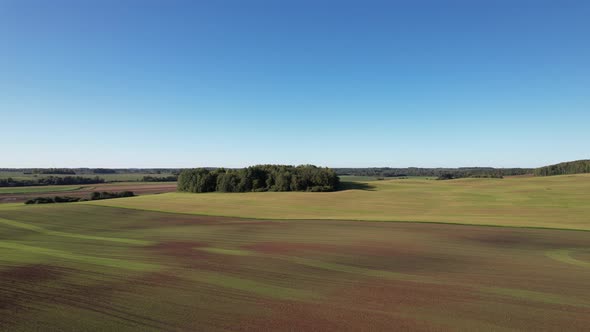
x: 552, y: 202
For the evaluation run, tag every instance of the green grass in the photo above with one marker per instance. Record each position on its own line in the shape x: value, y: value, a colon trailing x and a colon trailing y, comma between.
x: 221, y: 251
x: 537, y: 296
x: 256, y: 287
x: 561, y: 202
x: 70, y: 256
x: 564, y: 255
x: 38, y: 229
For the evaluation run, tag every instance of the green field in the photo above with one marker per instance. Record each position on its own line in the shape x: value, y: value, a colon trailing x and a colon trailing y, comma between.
x: 552, y: 202
x: 120, y: 265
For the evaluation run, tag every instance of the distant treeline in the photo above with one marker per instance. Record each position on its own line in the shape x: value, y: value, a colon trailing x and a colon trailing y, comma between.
x: 50, y: 181
x: 149, y: 178
x: 67, y: 199
x: 570, y: 167
x: 454, y: 173
x: 259, y: 178
x: 58, y: 171
x: 450, y: 176
x: 104, y: 171
x: 71, y: 171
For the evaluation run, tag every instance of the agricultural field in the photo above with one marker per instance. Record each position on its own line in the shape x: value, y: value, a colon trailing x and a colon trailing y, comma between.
x: 117, y: 177
x: 551, y: 202
x: 362, y: 178
x: 123, y: 265
x: 21, y: 194
x: 37, y: 189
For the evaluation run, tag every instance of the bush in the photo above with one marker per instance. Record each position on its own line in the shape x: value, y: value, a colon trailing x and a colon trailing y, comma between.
x: 40, y: 200
x: 66, y: 199
x: 55, y: 199
x: 108, y: 195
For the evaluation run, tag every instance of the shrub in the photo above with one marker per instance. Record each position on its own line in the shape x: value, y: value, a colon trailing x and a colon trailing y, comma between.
x: 108, y: 195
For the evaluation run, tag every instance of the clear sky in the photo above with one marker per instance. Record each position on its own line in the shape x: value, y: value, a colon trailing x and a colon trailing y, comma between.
x: 114, y: 83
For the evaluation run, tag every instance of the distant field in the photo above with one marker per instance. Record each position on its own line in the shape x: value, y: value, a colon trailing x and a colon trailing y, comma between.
x: 553, y: 202
x: 83, y: 267
x: 346, y: 178
x: 37, y: 189
x: 106, y: 177
x: 21, y: 194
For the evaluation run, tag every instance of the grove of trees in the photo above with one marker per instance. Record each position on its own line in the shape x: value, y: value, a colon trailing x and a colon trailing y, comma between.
x: 570, y: 167
x: 259, y: 178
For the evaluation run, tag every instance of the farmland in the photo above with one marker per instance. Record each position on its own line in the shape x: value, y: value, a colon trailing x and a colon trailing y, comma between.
x: 551, y: 202
x: 37, y: 189
x: 115, y: 177
x: 122, y: 265
x: 107, y: 265
x: 21, y: 194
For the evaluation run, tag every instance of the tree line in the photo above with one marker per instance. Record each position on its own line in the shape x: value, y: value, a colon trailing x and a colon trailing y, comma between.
x: 104, y: 171
x: 58, y: 171
x: 454, y: 173
x: 570, y: 167
x: 50, y: 181
x: 258, y: 178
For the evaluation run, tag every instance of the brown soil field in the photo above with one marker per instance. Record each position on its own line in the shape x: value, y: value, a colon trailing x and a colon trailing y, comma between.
x: 86, y: 190
x: 82, y: 267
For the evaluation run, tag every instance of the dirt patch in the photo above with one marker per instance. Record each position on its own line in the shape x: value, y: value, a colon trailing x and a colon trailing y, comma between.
x: 286, y: 248
x: 380, y: 306
x: 520, y: 238
x: 32, y: 273
x: 13, y: 279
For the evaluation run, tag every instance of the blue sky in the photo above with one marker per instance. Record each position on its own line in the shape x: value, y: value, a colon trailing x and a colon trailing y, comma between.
x: 334, y: 83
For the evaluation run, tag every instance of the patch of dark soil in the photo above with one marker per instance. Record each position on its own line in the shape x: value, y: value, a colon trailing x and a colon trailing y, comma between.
x: 524, y: 239
x: 32, y: 273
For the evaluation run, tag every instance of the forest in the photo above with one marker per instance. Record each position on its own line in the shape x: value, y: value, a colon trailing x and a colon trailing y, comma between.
x: 259, y: 178
x: 570, y: 167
